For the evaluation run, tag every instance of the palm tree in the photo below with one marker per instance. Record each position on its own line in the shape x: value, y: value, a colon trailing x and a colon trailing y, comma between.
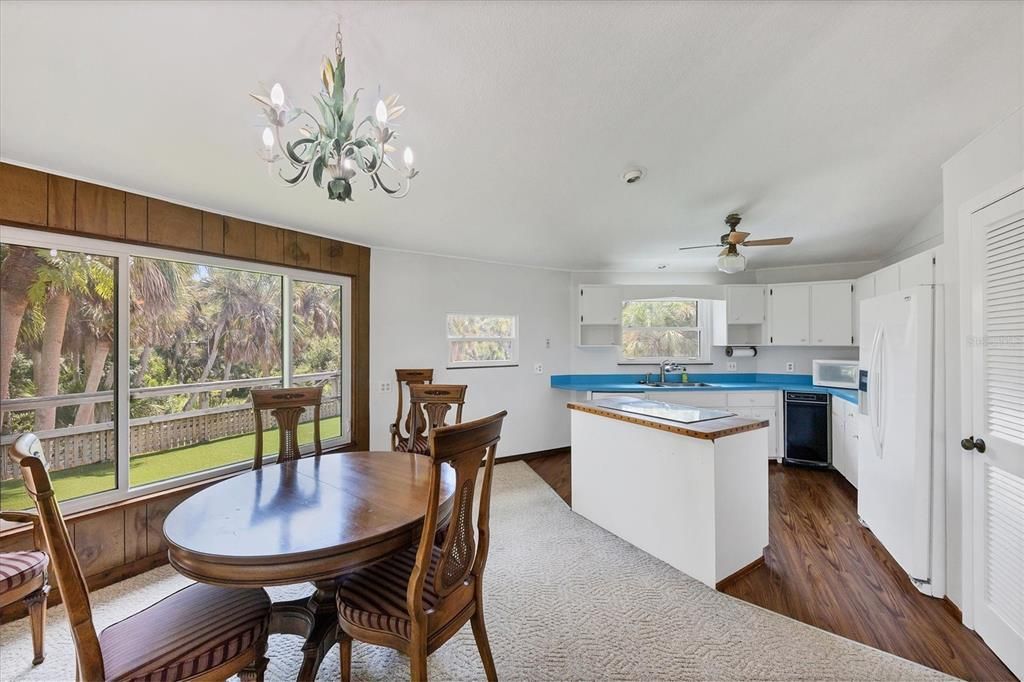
x: 94, y: 323
x: 18, y: 266
x: 161, y: 292
x: 245, y: 309
x: 316, y: 313
x: 62, y: 276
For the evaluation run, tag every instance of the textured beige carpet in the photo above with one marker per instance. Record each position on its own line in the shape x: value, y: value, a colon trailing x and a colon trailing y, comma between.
x: 565, y: 600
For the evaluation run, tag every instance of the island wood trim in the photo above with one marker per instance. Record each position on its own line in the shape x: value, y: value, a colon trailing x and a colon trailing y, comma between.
x: 707, y: 430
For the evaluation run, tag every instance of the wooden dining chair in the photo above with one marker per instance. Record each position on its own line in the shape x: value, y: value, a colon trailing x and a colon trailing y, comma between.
x: 406, y: 378
x: 286, y: 405
x: 23, y: 577
x: 429, y: 407
x: 418, y: 599
x: 201, y: 631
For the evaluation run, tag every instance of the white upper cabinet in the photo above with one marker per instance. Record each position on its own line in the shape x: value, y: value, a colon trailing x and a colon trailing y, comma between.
x: 790, y: 313
x: 745, y: 305
x: 600, y: 305
x: 887, y: 280
x: 917, y: 270
x: 863, y: 288
x: 832, y: 314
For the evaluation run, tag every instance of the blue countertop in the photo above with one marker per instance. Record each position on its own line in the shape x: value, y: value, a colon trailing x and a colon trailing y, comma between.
x: 731, y: 381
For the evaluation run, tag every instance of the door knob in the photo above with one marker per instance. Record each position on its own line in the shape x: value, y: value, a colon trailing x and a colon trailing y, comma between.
x: 972, y: 443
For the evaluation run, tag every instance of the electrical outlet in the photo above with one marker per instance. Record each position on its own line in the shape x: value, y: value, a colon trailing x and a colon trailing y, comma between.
x: 731, y: 365
x: 538, y: 368
x: 789, y: 367
x: 547, y: 343
x: 384, y: 387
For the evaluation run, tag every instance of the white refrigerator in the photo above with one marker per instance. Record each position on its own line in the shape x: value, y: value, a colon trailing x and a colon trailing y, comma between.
x: 901, y: 459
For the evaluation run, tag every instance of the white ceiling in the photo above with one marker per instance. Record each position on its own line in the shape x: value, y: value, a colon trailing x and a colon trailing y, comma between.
x: 826, y: 121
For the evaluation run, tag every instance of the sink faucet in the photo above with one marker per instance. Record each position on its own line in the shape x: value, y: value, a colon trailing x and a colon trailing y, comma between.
x: 668, y: 366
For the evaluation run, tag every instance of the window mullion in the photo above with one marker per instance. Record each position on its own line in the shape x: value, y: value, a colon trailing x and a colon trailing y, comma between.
x: 122, y: 360
x: 286, y: 330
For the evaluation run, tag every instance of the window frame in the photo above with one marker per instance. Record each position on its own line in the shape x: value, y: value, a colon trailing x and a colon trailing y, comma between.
x: 122, y: 388
x: 512, y: 362
x: 703, y: 329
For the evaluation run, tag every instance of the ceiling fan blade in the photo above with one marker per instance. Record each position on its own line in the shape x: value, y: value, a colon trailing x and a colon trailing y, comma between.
x: 706, y: 246
x: 778, y: 241
x: 738, y: 237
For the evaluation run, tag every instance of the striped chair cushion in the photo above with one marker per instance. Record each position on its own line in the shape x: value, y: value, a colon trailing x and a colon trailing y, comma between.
x: 374, y: 597
x: 192, y: 631
x: 17, y: 568
x: 420, y: 445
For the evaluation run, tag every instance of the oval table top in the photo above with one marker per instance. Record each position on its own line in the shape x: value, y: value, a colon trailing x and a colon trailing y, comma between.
x: 304, y: 520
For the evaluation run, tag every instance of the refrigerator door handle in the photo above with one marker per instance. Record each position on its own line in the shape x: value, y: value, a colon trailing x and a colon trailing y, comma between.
x: 881, y: 392
x: 872, y: 393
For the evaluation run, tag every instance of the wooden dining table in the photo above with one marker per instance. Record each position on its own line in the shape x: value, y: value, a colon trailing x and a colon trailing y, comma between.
x: 308, y: 520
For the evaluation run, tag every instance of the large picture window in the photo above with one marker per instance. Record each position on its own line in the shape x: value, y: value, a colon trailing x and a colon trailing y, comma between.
x: 134, y: 364
x: 664, y: 329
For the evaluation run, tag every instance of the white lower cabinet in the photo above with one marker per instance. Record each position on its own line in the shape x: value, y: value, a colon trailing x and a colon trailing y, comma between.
x: 845, y: 443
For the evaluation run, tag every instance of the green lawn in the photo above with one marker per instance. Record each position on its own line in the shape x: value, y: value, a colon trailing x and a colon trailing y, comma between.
x: 93, y: 478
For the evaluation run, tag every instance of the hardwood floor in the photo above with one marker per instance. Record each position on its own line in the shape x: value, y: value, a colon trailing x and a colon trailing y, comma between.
x: 823, y: 568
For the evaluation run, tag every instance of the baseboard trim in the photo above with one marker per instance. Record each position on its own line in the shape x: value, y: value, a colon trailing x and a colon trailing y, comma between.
x: 953, y: 609
x: 727, y: 581
x: 533, y: 455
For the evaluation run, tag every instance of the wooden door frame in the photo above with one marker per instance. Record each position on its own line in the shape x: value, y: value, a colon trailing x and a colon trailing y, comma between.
x: 965, y: 215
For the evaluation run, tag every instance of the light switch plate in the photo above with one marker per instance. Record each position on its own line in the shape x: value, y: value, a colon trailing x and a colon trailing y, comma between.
x: 789, y: 367
x: 731, y: 365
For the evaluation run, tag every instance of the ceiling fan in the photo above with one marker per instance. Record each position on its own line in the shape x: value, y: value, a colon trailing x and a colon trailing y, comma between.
x: 730, y: 259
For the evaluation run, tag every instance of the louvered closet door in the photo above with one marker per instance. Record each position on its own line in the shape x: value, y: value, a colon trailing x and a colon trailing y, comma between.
x: 997, y: 397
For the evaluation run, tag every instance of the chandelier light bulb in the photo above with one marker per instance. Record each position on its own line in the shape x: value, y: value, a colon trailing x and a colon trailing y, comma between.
x: 382, y: 112
x: 277, y: 95
x: 268, y: 137
x: 407, y: 156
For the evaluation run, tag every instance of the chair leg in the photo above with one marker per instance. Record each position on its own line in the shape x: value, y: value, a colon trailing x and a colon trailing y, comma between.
x: 418, y: 662
x: 254, y: 671
x: 36, y: 603
x: 480, y: 634
x: 345, y: 655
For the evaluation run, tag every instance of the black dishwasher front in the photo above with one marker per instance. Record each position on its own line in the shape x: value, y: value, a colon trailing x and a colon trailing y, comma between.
x: 808, y: 436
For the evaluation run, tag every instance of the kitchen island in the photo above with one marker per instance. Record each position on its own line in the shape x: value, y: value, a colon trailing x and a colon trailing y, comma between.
x: 688, y: 485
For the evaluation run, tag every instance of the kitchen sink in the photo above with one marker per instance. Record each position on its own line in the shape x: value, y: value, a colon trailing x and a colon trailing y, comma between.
x: 683, y: 384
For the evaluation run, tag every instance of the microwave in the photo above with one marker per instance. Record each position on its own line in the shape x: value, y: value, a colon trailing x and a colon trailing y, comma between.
x: 836, y: 373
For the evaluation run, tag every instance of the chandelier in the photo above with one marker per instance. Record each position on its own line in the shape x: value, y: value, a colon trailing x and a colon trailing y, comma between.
x: 333, y: 148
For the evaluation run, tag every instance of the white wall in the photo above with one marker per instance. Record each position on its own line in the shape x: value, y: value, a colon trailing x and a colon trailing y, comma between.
x: 410, y: 295
x: 927, y: 233
x: 987, y: 161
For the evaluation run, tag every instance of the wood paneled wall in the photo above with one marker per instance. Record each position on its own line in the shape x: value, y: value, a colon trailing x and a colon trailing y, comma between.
x: 118, y: 541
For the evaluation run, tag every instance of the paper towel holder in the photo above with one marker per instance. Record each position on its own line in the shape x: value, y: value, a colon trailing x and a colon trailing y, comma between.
x: 741, y: 351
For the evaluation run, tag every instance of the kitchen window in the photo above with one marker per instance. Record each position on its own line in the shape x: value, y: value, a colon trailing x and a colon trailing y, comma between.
x: 478, y: 340
x: 133, y: 364
x: 657, y: 329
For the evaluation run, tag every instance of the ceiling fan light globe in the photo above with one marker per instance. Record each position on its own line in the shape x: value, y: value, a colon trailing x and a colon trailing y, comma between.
x: 732, y: 263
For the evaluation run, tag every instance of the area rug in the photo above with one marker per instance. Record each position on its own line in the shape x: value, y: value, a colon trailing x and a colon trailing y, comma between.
x: 564, y: 600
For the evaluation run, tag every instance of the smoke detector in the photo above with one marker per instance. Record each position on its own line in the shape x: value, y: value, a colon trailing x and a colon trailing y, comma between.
x: 633, y: 175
